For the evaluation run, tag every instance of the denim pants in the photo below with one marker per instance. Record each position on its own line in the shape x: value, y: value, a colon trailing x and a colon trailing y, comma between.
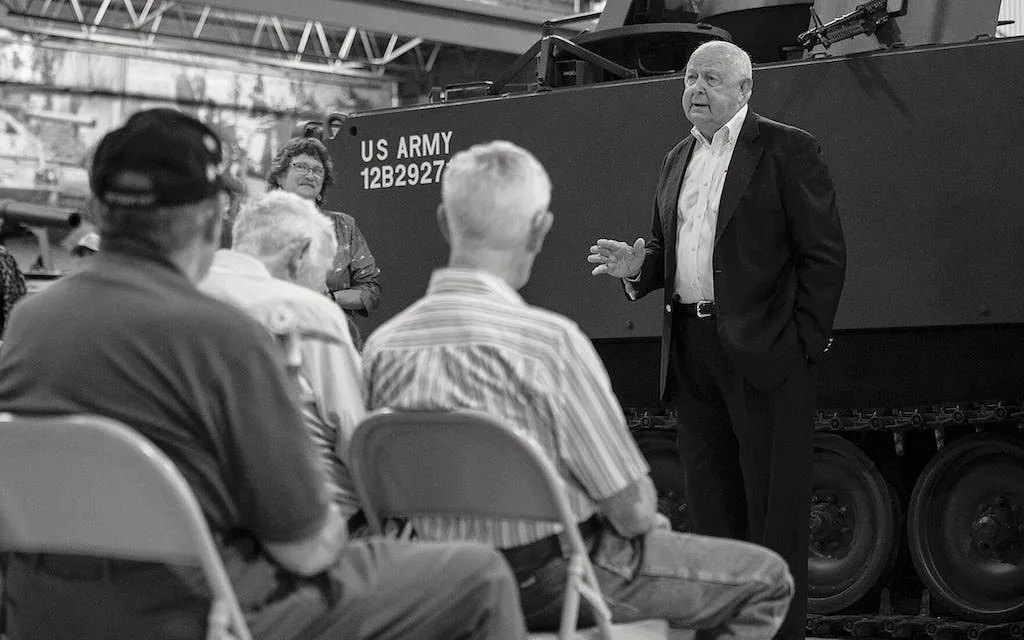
x: 721, y: 588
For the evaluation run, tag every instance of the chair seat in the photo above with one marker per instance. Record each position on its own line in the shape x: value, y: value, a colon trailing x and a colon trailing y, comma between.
x: 640, y: 630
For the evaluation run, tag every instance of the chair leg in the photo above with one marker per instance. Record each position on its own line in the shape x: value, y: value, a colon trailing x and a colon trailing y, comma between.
x: 218, y: 623
x: 571, y: 603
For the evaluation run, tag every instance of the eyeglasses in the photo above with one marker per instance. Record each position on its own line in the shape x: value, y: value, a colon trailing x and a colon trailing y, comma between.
x: 307, y: 168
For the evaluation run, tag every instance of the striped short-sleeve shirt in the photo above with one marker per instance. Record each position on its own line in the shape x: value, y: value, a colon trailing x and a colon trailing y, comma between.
x: 473, y: 343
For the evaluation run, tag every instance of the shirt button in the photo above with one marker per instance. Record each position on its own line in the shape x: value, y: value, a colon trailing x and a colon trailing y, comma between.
x: 668, y: 308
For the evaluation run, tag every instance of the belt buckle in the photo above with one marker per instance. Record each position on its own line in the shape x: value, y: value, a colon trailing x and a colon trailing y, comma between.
x: 705, y: 304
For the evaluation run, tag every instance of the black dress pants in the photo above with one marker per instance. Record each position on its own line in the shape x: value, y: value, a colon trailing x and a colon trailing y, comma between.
x: 746, y: 452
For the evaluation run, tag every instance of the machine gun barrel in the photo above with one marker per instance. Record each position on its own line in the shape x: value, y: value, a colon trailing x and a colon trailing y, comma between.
x: 37, y: 215
x: 865, y: 18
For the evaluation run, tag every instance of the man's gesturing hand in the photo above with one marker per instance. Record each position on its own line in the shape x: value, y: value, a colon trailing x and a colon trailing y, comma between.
x: 617, y: 259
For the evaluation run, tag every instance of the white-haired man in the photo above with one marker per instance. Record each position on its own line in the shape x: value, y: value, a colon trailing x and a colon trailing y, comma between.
x: 130, y: 337
x: 748, y: 248
x: 275, y: 270
x: 472, y: 342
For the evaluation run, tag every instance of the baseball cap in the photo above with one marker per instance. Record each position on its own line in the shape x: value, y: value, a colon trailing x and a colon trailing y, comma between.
x: 160, y: 157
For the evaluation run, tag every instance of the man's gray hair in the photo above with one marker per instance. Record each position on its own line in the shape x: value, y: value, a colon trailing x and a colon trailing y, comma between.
x: 739, y: 60
x: 275, y: 221
x: 493, y: 191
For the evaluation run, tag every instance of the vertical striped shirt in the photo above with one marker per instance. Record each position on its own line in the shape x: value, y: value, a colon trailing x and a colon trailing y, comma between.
x: 473, y: 343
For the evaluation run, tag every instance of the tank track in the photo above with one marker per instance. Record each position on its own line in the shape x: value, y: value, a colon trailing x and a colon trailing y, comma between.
x: 935, y: 418
x: 915, y: 616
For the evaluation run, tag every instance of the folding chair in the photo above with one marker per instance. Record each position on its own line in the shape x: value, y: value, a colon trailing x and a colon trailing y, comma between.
x: 91, y: 486
x: 469, y: 463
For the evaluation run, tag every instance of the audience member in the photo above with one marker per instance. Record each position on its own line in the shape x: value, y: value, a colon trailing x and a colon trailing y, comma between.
x: 472, y: 342
x: 304, y: 167
x: 131, y: 337
x: 275, y: 270
x: 12, y: 286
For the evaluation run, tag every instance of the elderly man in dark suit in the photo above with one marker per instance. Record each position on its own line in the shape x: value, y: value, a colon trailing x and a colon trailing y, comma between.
x: 747, y: 245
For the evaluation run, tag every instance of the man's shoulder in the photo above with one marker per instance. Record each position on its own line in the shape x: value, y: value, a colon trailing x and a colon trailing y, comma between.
x: 278, y: 304
x: 775, y: 131
x: 543, y: 326
x: 563, y: 325
x: 311, y: 311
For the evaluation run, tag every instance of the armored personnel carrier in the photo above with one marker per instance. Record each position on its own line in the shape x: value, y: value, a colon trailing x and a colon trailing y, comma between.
x: 917, y: 518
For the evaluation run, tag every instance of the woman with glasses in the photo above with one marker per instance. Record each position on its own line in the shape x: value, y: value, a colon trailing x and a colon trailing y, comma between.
x: 303, y: 167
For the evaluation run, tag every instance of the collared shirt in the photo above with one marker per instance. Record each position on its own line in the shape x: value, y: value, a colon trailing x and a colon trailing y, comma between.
x: 698, y: 210
x: 330, y: 376
x: 473, y: 343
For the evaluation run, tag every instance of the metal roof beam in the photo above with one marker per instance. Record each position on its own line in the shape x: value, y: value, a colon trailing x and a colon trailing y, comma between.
x: 468, y: 23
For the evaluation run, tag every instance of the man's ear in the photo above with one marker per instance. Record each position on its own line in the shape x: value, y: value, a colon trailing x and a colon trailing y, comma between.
x: 297, y: 252
x: 212, y: 228
x: 746, y: 86
x: 539, y: 227
x: 442, y: 222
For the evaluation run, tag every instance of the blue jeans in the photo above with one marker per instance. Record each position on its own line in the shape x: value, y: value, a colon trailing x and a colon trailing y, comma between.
x: 722, y: 588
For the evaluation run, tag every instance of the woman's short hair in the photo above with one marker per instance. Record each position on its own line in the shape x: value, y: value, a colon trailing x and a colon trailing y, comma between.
x: 301, y: 147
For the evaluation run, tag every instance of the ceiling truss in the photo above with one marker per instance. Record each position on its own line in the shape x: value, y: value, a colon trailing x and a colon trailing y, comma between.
x: 172, y: 25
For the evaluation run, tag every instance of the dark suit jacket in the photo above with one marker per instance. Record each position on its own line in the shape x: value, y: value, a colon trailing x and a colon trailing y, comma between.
x: 779, y: 260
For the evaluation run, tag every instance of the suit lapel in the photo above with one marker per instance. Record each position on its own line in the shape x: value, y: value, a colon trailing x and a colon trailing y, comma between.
x: 741, y: 168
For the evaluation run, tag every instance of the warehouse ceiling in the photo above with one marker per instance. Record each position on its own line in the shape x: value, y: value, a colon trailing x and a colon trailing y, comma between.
x: 380, y: 38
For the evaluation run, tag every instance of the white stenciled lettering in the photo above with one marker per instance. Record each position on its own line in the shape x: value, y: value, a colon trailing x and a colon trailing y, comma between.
x: 387, y: 176
x: 423, y: 145
x: 373, y: 149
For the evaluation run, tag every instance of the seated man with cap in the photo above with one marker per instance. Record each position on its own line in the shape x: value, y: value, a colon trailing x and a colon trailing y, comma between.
x: 132, y: 338
x: 276, y: 268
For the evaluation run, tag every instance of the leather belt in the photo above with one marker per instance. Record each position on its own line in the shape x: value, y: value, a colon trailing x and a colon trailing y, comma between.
x: 85, y: 568
x: 540, y: 552
x: 702, y: 309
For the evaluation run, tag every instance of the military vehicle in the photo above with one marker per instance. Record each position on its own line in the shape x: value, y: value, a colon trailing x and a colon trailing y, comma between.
x: 917, y: 518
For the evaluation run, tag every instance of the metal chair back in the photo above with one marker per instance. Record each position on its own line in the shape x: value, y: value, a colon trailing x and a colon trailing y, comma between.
x: 89, y: 485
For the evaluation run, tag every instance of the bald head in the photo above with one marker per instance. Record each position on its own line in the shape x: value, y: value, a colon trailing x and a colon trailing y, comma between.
x: 494, y: 209
x: 732, y: 57
x: 718, y: 83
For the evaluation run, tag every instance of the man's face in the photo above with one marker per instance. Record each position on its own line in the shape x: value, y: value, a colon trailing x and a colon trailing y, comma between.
x: 304, y: 177
x: 714, y: 91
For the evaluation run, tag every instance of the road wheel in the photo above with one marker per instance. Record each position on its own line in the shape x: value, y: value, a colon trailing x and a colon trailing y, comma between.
x: 965, y: 527
x: 855, y: 525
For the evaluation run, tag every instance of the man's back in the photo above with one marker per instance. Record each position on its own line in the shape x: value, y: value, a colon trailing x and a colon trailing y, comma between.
x: 130, y: 338
x: 329, y: 370
x: 473, y: 343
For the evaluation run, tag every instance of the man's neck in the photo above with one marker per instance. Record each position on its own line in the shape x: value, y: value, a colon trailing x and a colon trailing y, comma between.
x: 193, y: 261
x: 505, y: 264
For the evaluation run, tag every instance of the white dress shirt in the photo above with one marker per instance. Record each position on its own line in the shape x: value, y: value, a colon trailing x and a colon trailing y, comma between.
x: 699, y: 197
